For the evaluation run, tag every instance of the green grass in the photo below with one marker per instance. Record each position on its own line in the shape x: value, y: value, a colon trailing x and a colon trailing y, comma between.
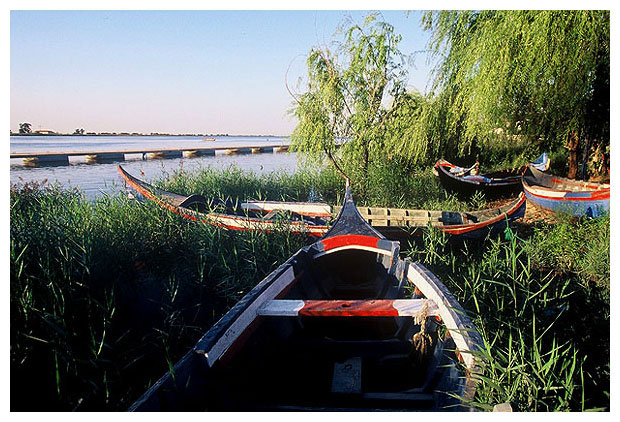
x: 106, y: 295
x: 393, y: 186
x: 575, y: 247
x: 545, y: 328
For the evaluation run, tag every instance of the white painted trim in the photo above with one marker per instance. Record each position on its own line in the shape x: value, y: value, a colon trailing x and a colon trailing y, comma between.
x: 546, y: 191
x: 429, y: 285
x: 248, y: 315
x: 315, y: 209
x: 412, y: 307
x: 282, y: 307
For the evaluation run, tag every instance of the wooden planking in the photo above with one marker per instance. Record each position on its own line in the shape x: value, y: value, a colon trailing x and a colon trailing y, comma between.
x: 377, y: 216
x: 462, y: 329
x: 348, y: 376
x: 243, y: 321
x: 348, y: 308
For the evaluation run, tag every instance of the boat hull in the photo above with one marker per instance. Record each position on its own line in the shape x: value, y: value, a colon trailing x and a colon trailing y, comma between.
x: 461, y: 186
x: 466, y: 182
x: 568, y: 196
x: 332, y: 329
x: 312, y: 218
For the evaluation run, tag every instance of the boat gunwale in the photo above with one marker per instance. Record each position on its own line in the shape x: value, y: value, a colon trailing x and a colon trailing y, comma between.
x: 536, y: 185
x: 494, y: 182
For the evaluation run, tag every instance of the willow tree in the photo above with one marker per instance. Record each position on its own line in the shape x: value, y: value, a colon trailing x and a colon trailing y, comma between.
x: 351, y: 90
x: 537, y: 75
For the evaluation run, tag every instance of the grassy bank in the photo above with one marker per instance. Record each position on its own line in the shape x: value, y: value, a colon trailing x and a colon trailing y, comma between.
x: 106, y: 296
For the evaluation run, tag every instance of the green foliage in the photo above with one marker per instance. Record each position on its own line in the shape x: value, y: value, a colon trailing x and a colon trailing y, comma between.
x: 546, y: 336
x: 393, y: 184
x: 342, y: 114
x: 25, y: 128
x: 509, y: 85
x: 580, y: 247
x: 407, y: 133
x: 307, y: 185
x: 528, y: 77
x: 105, y: 295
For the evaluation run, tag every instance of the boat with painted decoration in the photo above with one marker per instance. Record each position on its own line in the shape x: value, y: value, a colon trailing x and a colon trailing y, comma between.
x: 575, y: 197
x: 466, y: 181
x: 343, y: 324
x: 315, y: 218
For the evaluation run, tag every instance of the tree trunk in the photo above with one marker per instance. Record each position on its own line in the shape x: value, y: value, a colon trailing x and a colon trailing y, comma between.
x: 573, y: 155
x: 365, y: 168
x: 584, y: 165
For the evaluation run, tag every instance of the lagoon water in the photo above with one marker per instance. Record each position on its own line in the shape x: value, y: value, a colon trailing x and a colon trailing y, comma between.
x: 95, y: 179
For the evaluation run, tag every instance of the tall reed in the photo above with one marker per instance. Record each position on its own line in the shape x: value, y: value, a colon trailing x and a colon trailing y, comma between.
x: 537, y: 324
x: 106, y: 295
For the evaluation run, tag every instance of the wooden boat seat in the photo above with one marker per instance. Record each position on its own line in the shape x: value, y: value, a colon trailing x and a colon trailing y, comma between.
x: 349, y: 308
x: 452, y: 218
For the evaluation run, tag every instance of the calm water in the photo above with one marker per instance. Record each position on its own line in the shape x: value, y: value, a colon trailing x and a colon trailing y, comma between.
x: 93, y: 179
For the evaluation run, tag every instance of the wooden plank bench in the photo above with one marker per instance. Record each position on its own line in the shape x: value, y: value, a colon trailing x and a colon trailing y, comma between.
x: 348, y: 308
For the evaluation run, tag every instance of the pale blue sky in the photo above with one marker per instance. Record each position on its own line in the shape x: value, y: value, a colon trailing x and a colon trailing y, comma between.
x: 173, y: 71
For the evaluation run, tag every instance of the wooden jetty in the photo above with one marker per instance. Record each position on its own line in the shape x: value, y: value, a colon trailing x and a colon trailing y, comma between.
x: 62, y: 158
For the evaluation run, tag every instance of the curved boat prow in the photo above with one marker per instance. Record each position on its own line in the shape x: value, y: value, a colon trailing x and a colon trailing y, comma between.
x: 542, y: 163
x: 350, y: 221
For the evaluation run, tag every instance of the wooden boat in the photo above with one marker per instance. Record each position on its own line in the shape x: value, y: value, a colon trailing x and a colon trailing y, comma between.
x: 314, y: 218
x: 332, y: 329
x: 208, y: 139
x: 467, y: 181
x: 574, y: 197
x: 234, y: 216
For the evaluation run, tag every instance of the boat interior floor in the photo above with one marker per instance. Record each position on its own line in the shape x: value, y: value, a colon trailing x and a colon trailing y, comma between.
x: 370, y: 365
x: 332, y: 362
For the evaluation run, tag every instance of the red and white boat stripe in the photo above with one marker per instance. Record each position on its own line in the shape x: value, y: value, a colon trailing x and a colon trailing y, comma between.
x: 348, y: 308
x: 464, y: 228
x: 549, y: 193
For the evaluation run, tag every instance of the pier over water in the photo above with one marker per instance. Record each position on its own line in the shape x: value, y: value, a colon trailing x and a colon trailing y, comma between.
x: 60, y: 158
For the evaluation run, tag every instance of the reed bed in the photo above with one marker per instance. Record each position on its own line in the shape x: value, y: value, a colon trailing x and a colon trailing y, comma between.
x: 545, y: 327
x: 107, y: 295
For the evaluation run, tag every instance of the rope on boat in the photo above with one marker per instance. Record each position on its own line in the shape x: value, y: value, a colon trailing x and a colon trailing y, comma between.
x: 422, y: 340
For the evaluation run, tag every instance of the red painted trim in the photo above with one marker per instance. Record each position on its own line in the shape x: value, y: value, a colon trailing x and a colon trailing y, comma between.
x: 443, y: 163
x: 380, y: 307
x: 297, y: 227
x: 348, y: 240
x: 464, y: 228
x: 594, y: 195
x: 577, y: 183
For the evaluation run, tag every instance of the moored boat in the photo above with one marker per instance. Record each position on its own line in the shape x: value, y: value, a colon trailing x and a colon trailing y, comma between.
x: 315, y: 218
x: 257, y: 215
x: 333, y: 328
x: 466, y: 181
x: 575, y: 197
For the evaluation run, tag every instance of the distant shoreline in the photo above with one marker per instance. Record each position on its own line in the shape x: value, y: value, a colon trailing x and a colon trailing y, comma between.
x: 146, y: 135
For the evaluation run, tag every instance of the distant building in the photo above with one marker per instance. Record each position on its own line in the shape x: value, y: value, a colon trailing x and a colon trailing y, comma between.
x: 44, y: 132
